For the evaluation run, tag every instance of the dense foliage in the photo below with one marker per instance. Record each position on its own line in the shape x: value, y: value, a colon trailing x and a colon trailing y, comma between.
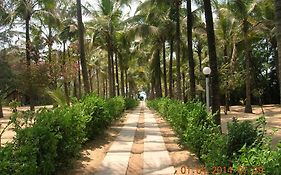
x: 56, y: 135
x: 244, y: 148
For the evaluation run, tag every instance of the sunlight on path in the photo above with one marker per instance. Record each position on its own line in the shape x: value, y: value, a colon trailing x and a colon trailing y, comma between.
x: 117, y: 159
x: 156, y: 159
x: 156, y: 156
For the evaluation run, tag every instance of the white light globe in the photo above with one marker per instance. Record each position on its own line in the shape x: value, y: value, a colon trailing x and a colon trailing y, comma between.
x: 206, y: 71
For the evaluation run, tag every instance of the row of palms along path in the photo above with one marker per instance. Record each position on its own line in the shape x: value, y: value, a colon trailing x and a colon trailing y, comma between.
x: 140, y: 148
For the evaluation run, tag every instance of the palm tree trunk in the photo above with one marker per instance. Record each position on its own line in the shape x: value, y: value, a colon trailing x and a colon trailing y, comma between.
x: 91, y: 80
x: 126, y: 83
x: 82, y: 48
x: 165, y: 71
x: 178, y: 62
x: 65, y: 84
x: 112, y: 74
x: 109, y: 73
x: 79, y: 81
x: 189, y: 50
x: 50, y: 43
x: 27, y: 41
x: 157, y: 75
x: 248, y: 106
x: 106, y: 88
x: 117, y: 75
x: 1, y: 109
x: 184, y: 88
x: 278, y: 31
x: 213, y: 61
x: 122, y: 75
x: 29, y: 95
x: 200, y: 57
x: 98, y: 81
x: 75, y: 88
x: 171, y: 69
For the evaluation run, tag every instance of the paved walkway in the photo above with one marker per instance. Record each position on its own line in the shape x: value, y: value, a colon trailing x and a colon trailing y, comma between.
x: 156, y: 160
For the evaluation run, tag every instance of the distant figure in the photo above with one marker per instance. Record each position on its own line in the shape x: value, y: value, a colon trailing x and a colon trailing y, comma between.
x: 142, y: 96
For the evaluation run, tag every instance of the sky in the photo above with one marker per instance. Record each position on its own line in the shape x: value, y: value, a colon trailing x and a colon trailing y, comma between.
x: 126, y: 10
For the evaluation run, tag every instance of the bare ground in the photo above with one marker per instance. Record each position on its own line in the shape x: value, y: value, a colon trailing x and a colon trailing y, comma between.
x: 272, y: 115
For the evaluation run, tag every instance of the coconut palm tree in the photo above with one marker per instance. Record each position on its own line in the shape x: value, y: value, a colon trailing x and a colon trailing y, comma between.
x: 278, y: 32
x: 177, y: 4
x: 106, y: 21
x: 189, y: 49
x: 82, y: 48
x: 245, y: 14
x: 213, y: 61
x: 26, y: 9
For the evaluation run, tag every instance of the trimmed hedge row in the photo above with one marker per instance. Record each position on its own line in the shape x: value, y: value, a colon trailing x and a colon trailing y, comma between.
x: 245, y: 149
x: 57, y: 136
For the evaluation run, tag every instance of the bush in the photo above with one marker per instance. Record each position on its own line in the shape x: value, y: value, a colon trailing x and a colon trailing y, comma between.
x: 57, y: 136
x: 190, y: 121
x: 116, y: 106
x: 131, y: 103
x: 96, y: 115
x: 68, y: 124
x: 245, y: 143
x: 240, y: 134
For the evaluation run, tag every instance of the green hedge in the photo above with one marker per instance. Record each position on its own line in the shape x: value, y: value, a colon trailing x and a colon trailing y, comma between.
x: 131, y: 103
x: 57, y: 136
x: 244, y: 146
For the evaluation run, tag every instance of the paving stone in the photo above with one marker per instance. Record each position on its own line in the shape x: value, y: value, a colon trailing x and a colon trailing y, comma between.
x: 156, y: 157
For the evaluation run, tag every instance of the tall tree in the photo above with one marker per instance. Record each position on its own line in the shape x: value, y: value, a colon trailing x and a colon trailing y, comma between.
x: 189, y: 49
x: 178, y: 41
x: 171, y: 81
x: 165, y: 70
x: 278, y: 32
x: 213, y: 61
x: 82, y: 48
x: 245, y: 13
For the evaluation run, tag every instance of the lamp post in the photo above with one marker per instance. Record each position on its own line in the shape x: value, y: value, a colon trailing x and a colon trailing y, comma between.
x: 207, y: 72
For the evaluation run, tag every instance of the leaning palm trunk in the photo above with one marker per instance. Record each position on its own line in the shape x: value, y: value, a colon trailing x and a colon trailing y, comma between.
x: 213, y: 61
x: 278, y: 27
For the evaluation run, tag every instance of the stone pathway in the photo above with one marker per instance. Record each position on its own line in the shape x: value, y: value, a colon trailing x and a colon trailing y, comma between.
x: 156, y: 159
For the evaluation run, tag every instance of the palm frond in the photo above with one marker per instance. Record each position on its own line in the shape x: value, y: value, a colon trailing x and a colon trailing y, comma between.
x: 58, y: 97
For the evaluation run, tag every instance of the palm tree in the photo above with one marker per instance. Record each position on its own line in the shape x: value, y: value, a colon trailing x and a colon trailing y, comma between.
x: 189, y: 49
x: 213, y: 61
x: 82, y: 48
x: 25, y: 10
x: 106, y: 20
x: 278, y: 31
x: 178, y: 62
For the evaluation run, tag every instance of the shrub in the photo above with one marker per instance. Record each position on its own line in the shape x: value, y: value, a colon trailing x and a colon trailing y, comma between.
x: 68, y: 124
x: 95, y: 111
x: 240, y: 134
x: 131, y: 103
x: 57, y: 135
x: 245, y: 143
x: 116, y: 106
